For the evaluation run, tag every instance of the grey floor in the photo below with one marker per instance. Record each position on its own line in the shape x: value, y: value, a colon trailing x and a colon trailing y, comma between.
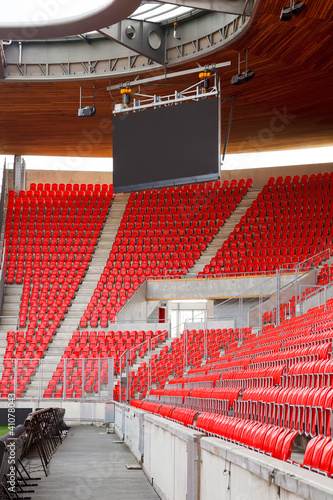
x: 89, y: 464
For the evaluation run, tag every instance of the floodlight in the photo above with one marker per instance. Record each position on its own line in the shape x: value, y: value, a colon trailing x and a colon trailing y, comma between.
x: 242, y: 77
x: 293, y: 10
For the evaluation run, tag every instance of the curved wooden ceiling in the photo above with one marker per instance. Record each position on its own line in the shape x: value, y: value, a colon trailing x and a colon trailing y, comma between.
x: 289, y: 103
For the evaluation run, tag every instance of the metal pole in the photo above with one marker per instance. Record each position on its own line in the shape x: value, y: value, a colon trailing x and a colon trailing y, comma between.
x: 120, y: 370
x: 325, y: 295
x: 185, y: 346
x: 149, y: 364
x: 83, y: 377
x: 99, y: 378
x: 64, y: 381
x: 110, y: 377
x: 40, y: 379
x: 241, y: 319
x: 205, y: 343
x: 231, y: 114
x: 296, y: 291
x: 260, y: 309
x: 277, y: 298
x: 127, y: 375
x: 15, y: 377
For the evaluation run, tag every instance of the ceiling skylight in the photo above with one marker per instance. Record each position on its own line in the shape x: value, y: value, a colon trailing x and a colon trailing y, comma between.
x: 156, y: 12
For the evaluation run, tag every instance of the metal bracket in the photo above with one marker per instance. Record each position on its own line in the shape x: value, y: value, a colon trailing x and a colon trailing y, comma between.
x: 142, y: 37
x: 2, y: 62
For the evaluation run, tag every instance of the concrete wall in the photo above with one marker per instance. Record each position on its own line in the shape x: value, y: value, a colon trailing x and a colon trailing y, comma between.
x: 231, y: 309
x: 168, y: 451
x: 210, y: 324
x: 61, y: 176
x: 214, y: 288
x: 260, y: 176
x: 136, y: 308
x: 182, y: 464
x: 232, y: 472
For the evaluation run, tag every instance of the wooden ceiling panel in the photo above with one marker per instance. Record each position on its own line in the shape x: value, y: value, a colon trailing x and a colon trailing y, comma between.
x: 293, y: 65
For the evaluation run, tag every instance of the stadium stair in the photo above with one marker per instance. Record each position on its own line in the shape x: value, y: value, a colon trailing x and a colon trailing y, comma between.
x: 10, y: 313
x: 71, y: 320
x: 224, y: 232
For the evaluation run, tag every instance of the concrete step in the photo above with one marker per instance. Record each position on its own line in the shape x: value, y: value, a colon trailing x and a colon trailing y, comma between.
x: 224, y: 232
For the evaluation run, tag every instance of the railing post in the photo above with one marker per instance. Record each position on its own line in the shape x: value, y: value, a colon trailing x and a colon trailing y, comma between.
x: 41, y: 361
x: 185, y: 348
x: 149, y: 365
x: 83, y: 378
x: 15, y: 377
x: 260, y: 309
x: 127, y: 375
x: 64, y: 381
x: 240, y: 319
x: 99, y: 378
x: 277, y: 298
x: 110, y: 377
x: 296, y: 287
x: 205, y: 342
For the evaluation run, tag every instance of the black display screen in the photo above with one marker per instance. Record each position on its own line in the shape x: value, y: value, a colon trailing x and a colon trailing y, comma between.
x: 166, y: 146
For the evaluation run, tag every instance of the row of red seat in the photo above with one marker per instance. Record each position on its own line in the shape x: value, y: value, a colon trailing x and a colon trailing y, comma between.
x: 226, y: 366
x: 162, y: 233
x: 186, y: 416
x: 49, y: 242
x: 307, y: 409
x: 272, y: 440
x: 319, y: 455
x: 266, y: 222
x: 84, y: 346
x: 71, y: 187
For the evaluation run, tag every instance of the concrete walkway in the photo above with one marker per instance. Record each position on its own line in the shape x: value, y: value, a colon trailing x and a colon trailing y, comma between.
x: 89, y: 464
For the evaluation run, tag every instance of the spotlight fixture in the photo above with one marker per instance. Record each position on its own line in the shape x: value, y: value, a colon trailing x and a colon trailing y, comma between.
x: 87, y: 110
x: 293, y: 10
x: 246, y: 76
x: 242, y: 77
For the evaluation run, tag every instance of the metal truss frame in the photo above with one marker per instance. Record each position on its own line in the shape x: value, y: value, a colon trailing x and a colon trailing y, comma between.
x: 98, y: 57
x: 193, y: 93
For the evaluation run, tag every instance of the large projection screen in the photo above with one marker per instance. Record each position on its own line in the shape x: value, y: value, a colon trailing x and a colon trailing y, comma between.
x: 167, y: 146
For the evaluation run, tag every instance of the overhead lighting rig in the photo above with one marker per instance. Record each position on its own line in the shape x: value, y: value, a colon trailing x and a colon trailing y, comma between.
x: 294, y: 9
x: 207, y: 86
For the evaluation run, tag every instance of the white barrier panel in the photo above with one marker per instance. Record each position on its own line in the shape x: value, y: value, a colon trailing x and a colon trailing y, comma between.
x: 182, y: 464
x: 171, y: 459
x: 230, y: 471
x: 129, y: 423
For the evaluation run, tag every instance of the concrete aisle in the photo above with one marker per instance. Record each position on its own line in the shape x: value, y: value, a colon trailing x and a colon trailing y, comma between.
x: 90, y: 465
